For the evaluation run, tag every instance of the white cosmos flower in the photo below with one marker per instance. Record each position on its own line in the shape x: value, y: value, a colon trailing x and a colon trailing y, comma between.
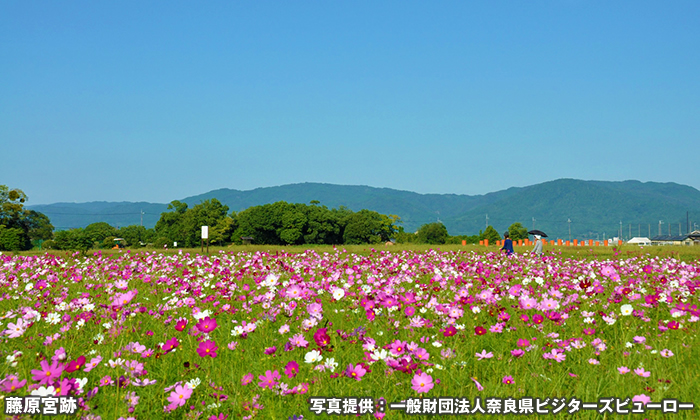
x: 379, y: 354
x: 338, y: 293
x: 53, y: 318
x: 626, y: 309
x: 313, y: 356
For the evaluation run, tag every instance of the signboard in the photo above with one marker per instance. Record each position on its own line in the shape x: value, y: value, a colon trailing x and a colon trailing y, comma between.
x: 205, y: 232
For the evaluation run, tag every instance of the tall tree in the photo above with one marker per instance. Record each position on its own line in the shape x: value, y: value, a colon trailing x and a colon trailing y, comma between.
x: 517, y: 231
x: 433, y: 233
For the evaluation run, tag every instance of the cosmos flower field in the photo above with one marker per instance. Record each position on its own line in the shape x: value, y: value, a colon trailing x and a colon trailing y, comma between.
x: 146, y: 335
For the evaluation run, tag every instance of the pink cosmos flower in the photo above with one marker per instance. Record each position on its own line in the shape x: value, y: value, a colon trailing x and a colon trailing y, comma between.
x: 422, y: 382
x: 641, y: 372
x: 523, y: 342
x: 517, y: 353
x: 179, y: 396
x: 355, y: 372
x: 508, y: 380
x: 298, y: 340
x: 247, y: 378
x: 409, y: 311
x: 106, y: 381
x: 47, y: 373
x: 94, y: 362
x: 644, y: 399
x: 207, y: 348
x: 623, y: 370
x: 478, y: 385
x: 666, y: 353
x: 397, y: 347
x: 421, y: 354
x: 269, y: 379
x: 484, y: 355
x: 15, y: 330
x: 12, y: 385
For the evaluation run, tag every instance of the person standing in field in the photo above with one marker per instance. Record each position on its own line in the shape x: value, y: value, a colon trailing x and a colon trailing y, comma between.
x: 507, y: 244
x: 537, y: 250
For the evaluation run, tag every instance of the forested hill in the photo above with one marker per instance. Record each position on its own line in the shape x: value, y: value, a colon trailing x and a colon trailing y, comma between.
x: 594, y: 207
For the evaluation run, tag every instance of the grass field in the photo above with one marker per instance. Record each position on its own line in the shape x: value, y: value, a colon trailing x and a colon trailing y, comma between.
x: 263, y: 332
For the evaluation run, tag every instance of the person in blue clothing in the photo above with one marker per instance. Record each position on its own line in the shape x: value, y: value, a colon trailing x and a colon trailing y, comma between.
x: 507, y: 244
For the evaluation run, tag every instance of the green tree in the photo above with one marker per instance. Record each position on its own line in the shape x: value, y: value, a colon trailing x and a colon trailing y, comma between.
x: 20, y: 225
x: 39, y: 225
x: 404, y: 237
x: 368, y: 226
x: 294, y: 222
x: 207, y: 213
x: 170, y: 226
x: 517, y: 231
x: 97, y: 232
x: 432, y: 233
x: 491, y: 234
x: 12, y: 239
x: 135, y: 235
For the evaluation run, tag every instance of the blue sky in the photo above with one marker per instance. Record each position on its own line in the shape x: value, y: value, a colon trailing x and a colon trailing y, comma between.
x: 163, y: 100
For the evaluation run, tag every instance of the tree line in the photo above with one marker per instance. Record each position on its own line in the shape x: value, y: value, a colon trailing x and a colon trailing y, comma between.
x: 279, y: 223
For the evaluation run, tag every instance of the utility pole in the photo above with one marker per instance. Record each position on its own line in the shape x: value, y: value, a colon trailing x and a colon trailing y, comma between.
x: 620, y: 238
x: 487, y: 220
x: 569, y: 230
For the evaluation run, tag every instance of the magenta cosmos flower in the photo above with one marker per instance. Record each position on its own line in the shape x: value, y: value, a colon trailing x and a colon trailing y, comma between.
x: 508, y: 380
x: 321, y: 337
x: 207, y: 325
x: 356, y: 372
x: 170, y: 345
x: 75, y: 364
x: 207, y: 348
x: 291, y: 369
x: 479, y: 330
x: 47, y: 373
x: 269, y: 379
x: 422, y: 382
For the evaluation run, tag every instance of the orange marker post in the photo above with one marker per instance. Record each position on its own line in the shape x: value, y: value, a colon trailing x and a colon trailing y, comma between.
x: 464, y: 243
x: 486, y: 242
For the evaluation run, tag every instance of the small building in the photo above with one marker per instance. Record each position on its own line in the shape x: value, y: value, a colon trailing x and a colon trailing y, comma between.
x: 639, y: 241
x: 686, y: 239
x: 247, y: 240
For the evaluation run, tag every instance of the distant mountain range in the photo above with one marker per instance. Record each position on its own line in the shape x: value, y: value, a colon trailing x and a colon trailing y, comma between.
x: 595, y: 208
